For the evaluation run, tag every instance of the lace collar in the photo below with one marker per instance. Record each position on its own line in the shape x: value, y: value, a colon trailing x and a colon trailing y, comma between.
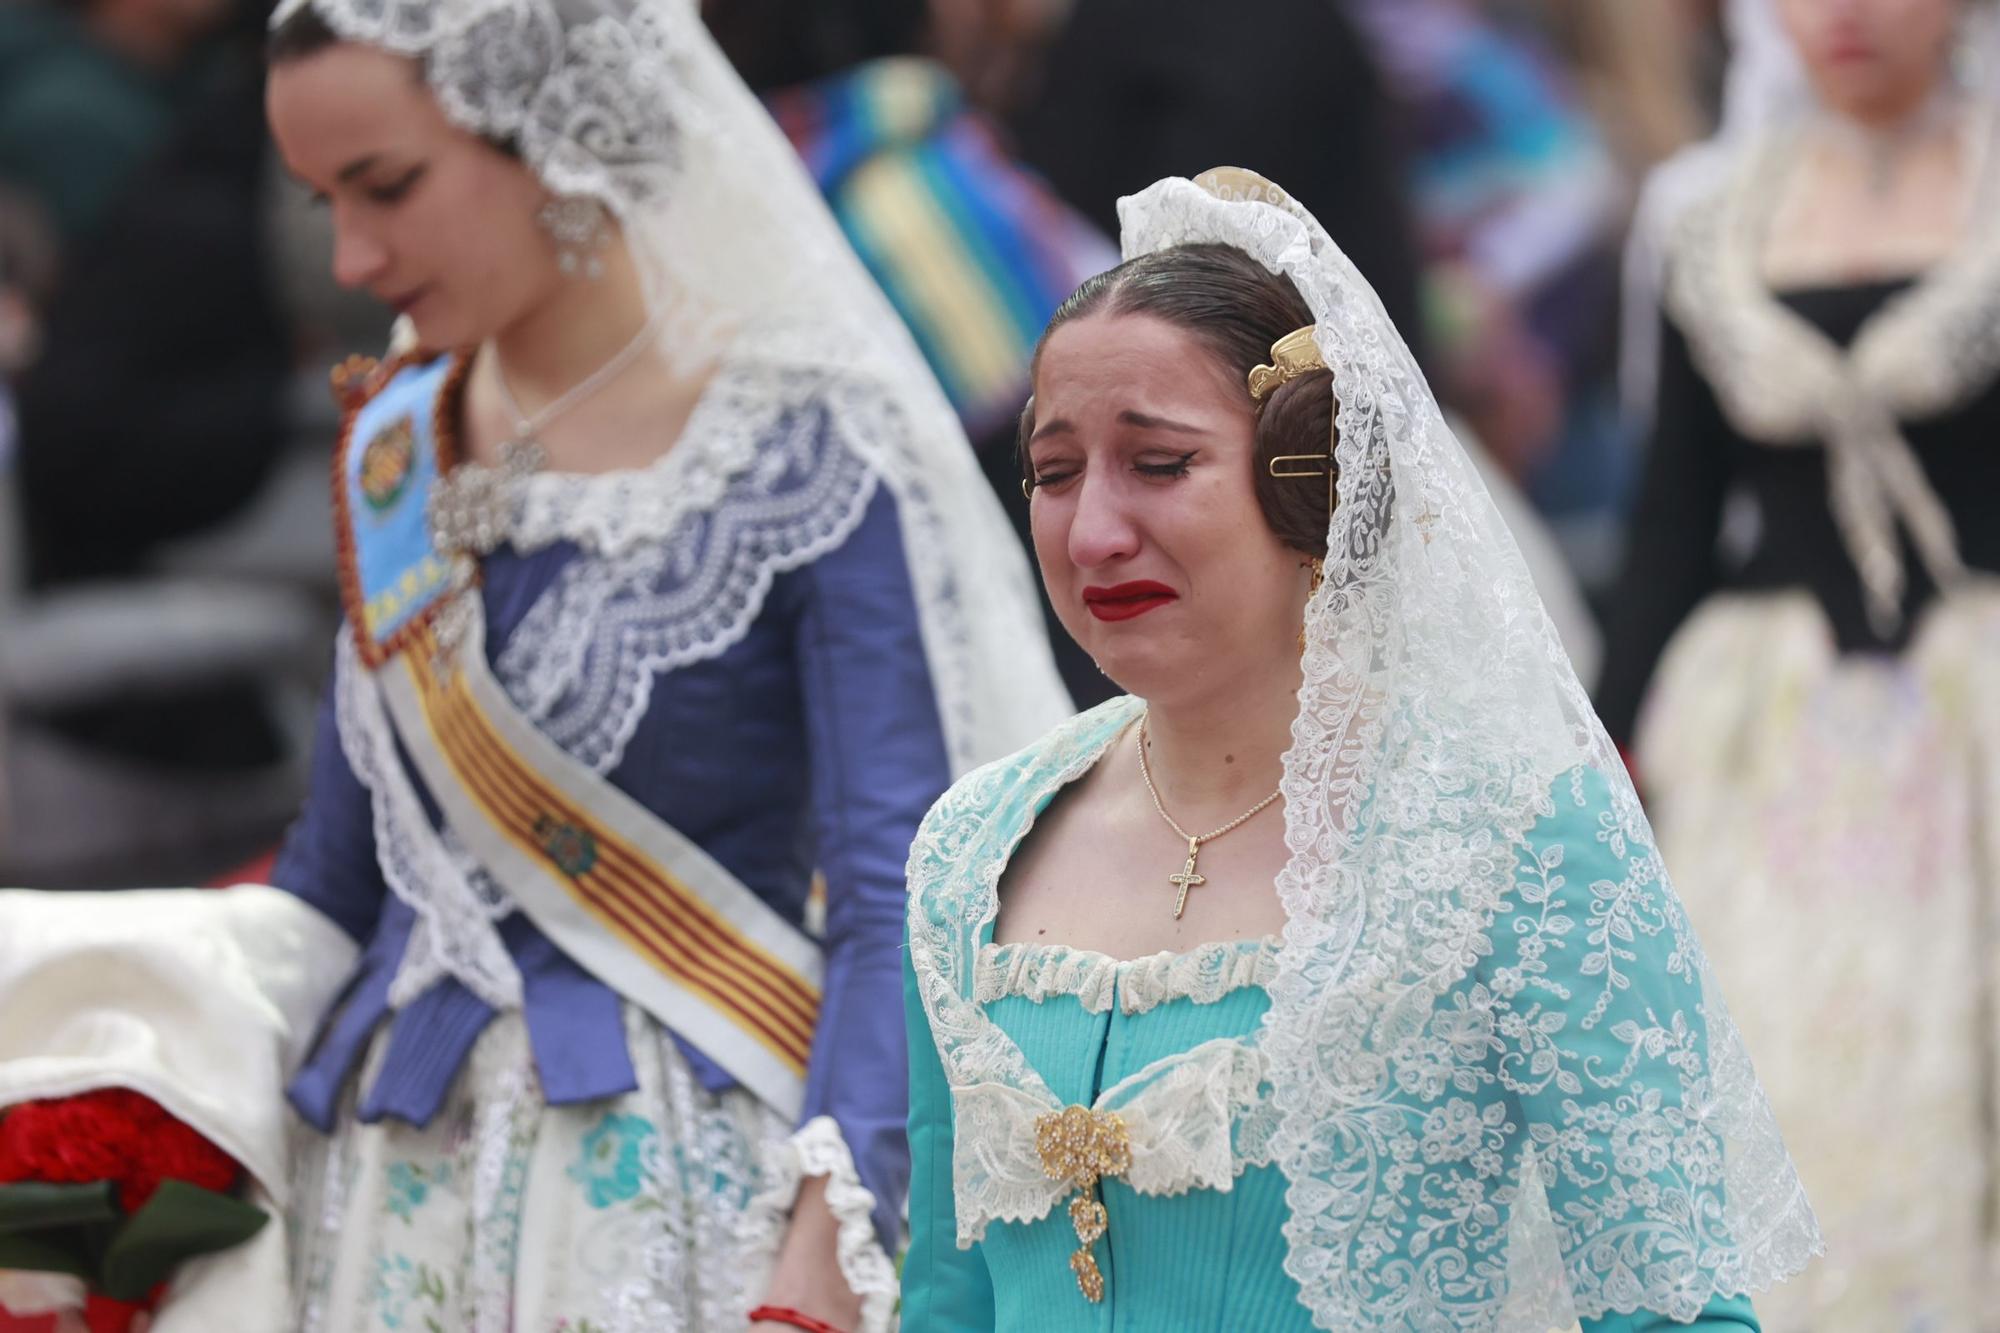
x: 611, y: 513
x: 1195, y: 1119
x: 1205, y: 974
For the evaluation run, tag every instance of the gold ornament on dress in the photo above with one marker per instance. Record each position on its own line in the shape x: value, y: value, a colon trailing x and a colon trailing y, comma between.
x: 1082, y: 1146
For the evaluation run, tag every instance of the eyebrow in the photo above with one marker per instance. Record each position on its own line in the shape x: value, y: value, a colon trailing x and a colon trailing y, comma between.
x: 357, y: 166
x: 1144, y: 421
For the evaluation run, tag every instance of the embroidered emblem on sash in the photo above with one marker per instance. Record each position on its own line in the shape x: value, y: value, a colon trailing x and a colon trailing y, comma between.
x: 393, y: 578
x: 386, y: 464
x: 572, y: 849
x: 624, y: 894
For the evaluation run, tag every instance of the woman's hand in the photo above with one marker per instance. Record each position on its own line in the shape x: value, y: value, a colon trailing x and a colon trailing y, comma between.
x: 807, y: 1277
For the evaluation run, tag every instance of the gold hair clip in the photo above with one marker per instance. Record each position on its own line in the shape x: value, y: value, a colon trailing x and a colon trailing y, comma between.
x: 1326, y: 467
x: 1291, y: 356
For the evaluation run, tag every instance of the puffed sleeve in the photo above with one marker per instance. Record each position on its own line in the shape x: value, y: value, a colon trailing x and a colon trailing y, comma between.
x: 328, y: 859
x: 945, y: 1289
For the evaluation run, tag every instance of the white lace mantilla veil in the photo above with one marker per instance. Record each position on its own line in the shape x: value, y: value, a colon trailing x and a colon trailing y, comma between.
x: 1437, y: 712
x: 631, y: 103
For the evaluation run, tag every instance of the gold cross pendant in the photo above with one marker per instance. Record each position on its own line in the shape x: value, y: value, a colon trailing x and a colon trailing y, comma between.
x: 1187, y: 879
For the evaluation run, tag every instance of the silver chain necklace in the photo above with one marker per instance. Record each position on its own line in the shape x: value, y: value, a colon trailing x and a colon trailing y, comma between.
x: 1187, y: 878
x: 473, y: 507
x: 527, y: 428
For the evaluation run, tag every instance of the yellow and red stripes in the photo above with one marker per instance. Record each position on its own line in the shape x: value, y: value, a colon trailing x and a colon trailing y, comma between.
x: 633, y: 897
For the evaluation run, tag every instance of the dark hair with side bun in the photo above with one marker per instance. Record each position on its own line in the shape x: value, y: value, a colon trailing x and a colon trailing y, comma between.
x: 1237, y: 308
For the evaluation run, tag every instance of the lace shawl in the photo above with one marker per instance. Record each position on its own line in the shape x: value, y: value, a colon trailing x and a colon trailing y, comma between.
x: 1783, y: 382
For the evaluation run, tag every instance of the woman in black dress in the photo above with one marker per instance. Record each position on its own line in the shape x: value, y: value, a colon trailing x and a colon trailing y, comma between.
x: 1810, y: 620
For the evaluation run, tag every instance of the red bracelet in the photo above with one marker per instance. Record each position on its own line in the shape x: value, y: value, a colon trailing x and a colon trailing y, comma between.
x: 778, y: 1314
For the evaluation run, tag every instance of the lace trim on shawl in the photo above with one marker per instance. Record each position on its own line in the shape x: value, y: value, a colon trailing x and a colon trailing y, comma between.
x: 1204, y: 975
x: 610, y: 513
x: 457, y: 906
x: 1197, y: 1119
x: 1927, y: 350
x: 818, y: 1149
x: 679, y: 556
x: 1782, y: 382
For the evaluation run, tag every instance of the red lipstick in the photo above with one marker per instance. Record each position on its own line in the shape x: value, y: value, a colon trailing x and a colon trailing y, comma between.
x: 1848, y: 47
x: 1123, y: 601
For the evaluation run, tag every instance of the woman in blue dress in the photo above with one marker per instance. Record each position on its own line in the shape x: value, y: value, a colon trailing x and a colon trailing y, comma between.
x: 1329, y: 980
x: 671, y: 584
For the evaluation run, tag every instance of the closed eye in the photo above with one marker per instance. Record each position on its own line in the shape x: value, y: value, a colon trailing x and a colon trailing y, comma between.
x: 395, y: 191
x: 1177, y: 468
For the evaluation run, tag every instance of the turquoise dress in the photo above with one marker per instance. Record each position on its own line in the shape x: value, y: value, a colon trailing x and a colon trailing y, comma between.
x: 1203, y: 1259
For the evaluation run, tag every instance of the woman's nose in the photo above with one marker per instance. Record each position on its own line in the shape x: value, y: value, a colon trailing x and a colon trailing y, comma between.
x: 1101, y: 530
x: 358, y: 259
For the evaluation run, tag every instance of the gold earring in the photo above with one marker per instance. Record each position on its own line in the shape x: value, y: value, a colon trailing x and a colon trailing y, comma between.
x: 1318, y: 568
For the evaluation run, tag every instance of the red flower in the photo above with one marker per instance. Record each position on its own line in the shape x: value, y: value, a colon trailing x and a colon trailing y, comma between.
x: 113, y: 1134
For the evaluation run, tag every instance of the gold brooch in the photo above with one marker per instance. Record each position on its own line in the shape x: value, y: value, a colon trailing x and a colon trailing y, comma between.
x: 350, y: 381
x: 1291, y: 356
x: 1081, y: 1146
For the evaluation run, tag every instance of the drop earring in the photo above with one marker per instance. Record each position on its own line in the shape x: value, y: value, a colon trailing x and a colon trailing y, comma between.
x: 580, y: 229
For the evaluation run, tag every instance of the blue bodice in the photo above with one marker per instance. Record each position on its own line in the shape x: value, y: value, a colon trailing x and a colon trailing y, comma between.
x: 797, y: 734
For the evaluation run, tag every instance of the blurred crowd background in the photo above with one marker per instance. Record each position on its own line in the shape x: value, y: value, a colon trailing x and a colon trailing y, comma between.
x: 167, y: 320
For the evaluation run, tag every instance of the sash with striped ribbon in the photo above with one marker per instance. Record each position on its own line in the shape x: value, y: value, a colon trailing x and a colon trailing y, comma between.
x: 629, y: 898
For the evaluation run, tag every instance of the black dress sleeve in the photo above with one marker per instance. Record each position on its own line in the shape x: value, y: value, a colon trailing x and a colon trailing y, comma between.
x: 1670, y: 555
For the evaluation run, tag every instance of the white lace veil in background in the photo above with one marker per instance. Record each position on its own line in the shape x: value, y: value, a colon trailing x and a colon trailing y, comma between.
x: 1765, y: 88
x: 1437, y: 711
x: 630, y: 103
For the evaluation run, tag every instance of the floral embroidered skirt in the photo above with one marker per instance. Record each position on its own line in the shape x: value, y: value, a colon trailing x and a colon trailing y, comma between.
x: 505, y: 1215
x: 1833, y: 824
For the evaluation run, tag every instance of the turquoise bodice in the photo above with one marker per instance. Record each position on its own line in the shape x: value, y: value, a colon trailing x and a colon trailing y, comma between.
x: 1208, y: 1258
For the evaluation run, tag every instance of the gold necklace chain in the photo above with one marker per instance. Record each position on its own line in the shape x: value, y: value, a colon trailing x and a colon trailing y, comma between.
x: 1187, y: 878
